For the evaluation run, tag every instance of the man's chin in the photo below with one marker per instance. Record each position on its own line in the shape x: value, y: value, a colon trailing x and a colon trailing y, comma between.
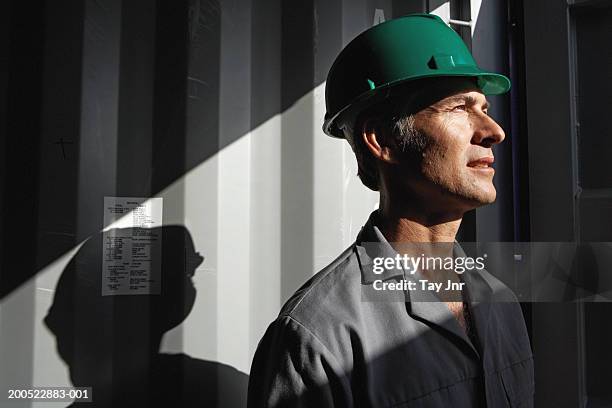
x: 479, y: 199
x: 485, y: 198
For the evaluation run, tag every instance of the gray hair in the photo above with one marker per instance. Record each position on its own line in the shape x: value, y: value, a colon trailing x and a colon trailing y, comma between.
x: 402, y: 130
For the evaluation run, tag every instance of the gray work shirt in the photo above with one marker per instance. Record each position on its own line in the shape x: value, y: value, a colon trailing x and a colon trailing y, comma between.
x: 331, y: 348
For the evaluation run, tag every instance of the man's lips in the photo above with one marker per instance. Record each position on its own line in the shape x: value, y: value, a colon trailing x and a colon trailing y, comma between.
x: 482, y: 163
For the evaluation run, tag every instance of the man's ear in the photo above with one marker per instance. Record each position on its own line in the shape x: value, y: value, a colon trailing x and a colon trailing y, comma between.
x: 375, y: 143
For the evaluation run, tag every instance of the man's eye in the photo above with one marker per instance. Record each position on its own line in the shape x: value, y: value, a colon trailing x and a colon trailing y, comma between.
x: 459, y: 108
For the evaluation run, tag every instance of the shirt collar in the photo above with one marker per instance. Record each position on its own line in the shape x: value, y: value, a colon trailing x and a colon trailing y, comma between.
x: 427, y: 307
x: 378, y: 247
x: 371, y: 243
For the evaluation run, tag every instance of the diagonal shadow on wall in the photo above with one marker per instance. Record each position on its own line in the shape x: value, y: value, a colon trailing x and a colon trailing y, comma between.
x: 117, y: 98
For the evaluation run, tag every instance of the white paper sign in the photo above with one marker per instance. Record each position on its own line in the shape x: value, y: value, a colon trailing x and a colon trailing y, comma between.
x: 131, y: 252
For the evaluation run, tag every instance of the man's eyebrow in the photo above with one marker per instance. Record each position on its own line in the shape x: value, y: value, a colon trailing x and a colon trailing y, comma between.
x: 467, y: 99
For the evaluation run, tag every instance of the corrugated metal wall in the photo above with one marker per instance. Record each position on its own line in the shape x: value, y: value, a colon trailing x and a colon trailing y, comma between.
x: 216, y: 107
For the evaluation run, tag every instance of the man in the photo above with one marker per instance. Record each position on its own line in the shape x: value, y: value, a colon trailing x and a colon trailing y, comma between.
x: 409, y: 98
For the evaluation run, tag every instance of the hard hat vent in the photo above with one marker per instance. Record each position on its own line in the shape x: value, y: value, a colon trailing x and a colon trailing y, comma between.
x: 441, y: 62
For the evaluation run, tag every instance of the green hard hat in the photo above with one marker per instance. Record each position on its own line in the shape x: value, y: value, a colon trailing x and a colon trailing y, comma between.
x: 396, y: 52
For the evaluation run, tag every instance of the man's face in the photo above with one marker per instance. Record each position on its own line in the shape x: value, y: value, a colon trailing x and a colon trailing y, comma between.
x: 454, y: 170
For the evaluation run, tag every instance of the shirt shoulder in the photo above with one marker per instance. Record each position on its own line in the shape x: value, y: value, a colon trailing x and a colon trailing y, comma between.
x: 328, y: 301
x: 340, y: 279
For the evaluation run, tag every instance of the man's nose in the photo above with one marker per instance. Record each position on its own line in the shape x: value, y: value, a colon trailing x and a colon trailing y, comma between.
x: 487, y: 132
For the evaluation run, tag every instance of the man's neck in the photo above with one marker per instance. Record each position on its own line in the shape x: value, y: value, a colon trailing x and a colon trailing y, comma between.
x: 417, y: 225
x: 409, y: 226
x: 414, y: 217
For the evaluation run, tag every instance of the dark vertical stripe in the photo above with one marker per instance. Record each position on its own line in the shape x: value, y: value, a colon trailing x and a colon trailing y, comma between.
x: 4, y: 97
x: 297, y: 50
x: 518, y: 123
x: 266, y: 61
x: 328, y: 38
x: 518, y: 130
x: 21, y: 140
x: 60, y: 133
x: 22, y: 54
x: 494, y: 222
x: 170, y: 88
x: 99, y: 112
x: 297, y: 190
x: 203, y: 82
x: 135, y: 121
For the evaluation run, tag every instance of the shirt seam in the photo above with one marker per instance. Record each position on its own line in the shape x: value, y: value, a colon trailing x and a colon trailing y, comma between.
x: 461, y: 380
x: 287, y: 313
x: 328, y: 351
x: 510, y: 366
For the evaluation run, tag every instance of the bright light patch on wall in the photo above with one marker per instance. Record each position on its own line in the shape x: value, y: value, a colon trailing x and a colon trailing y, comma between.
x: 131, y: 212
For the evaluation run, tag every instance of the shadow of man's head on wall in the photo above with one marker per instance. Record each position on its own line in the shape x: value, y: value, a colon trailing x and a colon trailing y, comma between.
x: 113, y: 303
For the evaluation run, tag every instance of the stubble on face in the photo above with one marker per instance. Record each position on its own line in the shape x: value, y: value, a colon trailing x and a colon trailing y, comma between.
x: 443, y: 175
